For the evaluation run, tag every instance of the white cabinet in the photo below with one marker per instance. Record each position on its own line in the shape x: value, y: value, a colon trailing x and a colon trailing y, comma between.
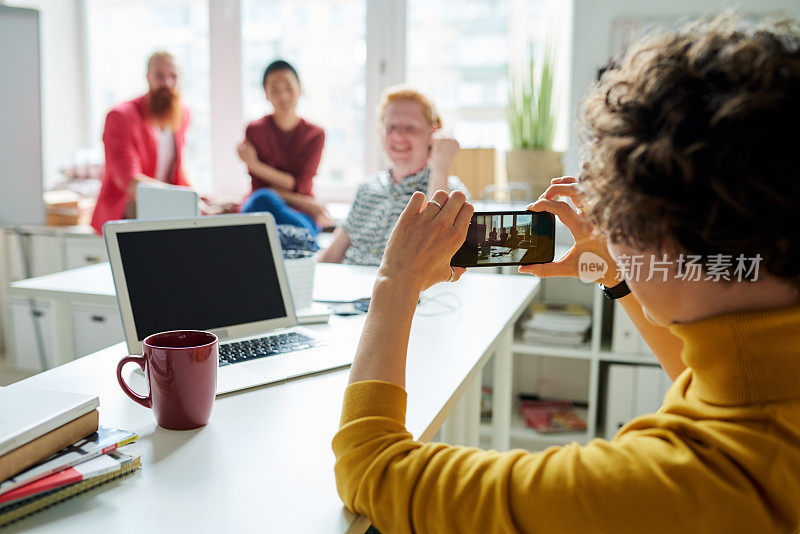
x: 631, y: 391
x: 90, y: 327
x: 30, y: 251
x: 94, y: 328
x: 12, y: 252
x: 25, y: 320
x: 620, y: 397
x: 42, y: 253
x: 652, y: 384
x: 47, y: 256
x: 82, y: 251
x: 49, y: 250
x: 625, y: 338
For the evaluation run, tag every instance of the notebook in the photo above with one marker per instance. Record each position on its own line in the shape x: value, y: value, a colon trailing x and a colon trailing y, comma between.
x: 101, y: 442
x: 28, y: 414
x: 68, y: 484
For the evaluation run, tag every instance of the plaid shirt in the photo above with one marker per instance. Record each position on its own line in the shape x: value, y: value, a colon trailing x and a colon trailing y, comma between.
x: 376, y: 209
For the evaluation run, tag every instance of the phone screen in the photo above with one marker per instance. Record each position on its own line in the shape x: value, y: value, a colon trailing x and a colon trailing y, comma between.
x: 507, y: 238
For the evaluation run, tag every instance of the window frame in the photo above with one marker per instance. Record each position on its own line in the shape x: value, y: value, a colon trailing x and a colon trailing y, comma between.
x: 385, y: 66
x: 386, y: 42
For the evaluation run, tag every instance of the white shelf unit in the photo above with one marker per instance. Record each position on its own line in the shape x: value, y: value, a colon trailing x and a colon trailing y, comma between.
x: 587, y: 362
x: 583, y: 352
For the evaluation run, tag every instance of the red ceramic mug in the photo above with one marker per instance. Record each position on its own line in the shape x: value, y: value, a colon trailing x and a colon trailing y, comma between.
x: 181, y: 371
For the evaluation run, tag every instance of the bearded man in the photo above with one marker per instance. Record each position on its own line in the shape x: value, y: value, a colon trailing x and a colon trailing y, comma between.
x: 143, y: 139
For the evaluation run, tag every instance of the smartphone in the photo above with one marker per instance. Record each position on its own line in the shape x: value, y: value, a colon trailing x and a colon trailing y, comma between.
x: 497, y: 238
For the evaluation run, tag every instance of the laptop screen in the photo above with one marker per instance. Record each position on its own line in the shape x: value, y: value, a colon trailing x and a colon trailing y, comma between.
x: 200, y: 278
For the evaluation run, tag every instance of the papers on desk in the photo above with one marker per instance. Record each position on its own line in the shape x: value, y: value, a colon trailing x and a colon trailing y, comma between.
x: 344, y: 285
x: 316, y: 313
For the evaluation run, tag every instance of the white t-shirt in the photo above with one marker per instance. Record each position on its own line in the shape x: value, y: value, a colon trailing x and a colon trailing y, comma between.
x: 165, y: 153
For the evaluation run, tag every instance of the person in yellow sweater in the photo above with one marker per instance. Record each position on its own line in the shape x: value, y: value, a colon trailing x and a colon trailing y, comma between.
x: 690, y: 163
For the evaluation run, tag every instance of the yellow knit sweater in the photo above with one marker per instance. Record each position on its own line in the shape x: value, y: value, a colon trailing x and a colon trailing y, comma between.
x: 722, y: 454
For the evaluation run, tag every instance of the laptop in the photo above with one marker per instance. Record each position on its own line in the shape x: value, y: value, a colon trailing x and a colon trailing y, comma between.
x: 223, y: 274
x: 164, y: 201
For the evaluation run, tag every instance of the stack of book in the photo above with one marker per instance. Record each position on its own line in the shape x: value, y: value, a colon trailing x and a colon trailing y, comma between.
x: 566, y: 325
x: 51, y: 449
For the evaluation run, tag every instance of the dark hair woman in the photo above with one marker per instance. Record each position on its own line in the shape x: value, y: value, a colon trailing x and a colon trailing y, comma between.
x: 282, y: 152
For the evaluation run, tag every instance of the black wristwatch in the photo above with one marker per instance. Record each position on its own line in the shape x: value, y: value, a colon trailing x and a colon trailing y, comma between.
x: 616, y: 292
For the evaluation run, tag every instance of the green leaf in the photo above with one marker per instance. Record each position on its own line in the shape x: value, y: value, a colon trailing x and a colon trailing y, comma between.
x: 531, y: 113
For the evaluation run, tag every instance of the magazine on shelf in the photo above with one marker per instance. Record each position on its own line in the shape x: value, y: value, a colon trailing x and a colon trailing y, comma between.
x: 550, y: 416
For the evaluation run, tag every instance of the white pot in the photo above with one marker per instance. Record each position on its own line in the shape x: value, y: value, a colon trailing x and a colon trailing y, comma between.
x: 300, y: 272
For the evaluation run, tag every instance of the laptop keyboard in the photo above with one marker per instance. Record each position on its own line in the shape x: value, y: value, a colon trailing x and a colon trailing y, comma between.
x: 253, y: 349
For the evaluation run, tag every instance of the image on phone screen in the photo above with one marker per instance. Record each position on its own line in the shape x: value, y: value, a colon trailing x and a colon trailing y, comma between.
x: 507, y: 238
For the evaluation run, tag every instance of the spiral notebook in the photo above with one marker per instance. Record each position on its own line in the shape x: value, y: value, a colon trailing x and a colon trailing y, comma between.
x: 124, y: 465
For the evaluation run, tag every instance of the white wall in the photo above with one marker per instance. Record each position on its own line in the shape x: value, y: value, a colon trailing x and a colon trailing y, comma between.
x: 591, y: 30
x: 20, y: 127
x: 64, y: 97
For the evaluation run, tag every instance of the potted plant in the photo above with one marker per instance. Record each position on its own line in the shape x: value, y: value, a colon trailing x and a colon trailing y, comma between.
x: 532, y: 123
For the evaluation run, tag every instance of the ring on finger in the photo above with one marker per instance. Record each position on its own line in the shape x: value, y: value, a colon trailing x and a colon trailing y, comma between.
x: 452, y: 275
x: 432, y: 201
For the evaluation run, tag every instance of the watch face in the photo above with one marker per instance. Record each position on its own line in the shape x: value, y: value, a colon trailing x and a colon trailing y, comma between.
x: 618, y: 291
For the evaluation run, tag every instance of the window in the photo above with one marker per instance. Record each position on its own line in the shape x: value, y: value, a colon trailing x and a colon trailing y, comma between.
x: 456, y: 51
x: 120, y: 37
x: 459, y: 53
x: 325, y: 41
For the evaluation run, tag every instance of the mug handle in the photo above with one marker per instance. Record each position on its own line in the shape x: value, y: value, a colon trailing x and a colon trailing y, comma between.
x: 147, y: 402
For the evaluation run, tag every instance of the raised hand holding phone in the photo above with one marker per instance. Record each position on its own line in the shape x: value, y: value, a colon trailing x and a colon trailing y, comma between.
x: 588, y: 245
x: 417, y: 256
x: 425, y: 238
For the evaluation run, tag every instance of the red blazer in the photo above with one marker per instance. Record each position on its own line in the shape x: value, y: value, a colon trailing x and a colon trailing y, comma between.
x: 131, y: 148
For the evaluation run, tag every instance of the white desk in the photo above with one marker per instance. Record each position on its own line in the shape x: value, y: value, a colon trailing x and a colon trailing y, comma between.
x: 264, y: 462
x: 91, y: 285
x: 85, y: 285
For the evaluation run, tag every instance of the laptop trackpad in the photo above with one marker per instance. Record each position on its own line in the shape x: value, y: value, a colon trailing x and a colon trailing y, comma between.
x: 235, y: 377
x: 280, y: 366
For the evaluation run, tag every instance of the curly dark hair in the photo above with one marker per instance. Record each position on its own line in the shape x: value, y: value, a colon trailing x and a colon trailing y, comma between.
x: 692, y: 144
